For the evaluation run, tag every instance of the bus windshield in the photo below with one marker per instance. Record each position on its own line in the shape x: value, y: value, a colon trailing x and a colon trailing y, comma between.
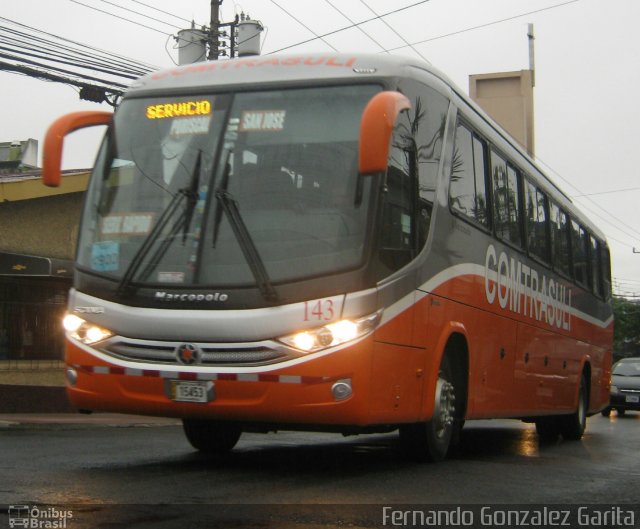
x: 206, y: 189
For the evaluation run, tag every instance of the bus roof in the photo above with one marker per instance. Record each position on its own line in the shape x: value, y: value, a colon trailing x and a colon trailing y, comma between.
x: 277, y: 69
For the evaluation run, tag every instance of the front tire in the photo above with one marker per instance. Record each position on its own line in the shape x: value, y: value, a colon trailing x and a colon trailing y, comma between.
x: 212, y: 437
x: 429, y: 441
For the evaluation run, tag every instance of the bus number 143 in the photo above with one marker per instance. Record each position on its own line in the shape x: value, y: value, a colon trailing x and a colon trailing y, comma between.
x: 320, y: 310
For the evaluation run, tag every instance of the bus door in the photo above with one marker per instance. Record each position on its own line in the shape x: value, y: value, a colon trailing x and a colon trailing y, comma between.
x: 398, y: 362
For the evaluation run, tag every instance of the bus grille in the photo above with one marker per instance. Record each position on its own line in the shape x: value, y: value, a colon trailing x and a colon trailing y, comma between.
x: 165, y: 353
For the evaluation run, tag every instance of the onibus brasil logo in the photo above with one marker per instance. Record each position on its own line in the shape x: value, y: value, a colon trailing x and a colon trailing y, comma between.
x: 38, y: 517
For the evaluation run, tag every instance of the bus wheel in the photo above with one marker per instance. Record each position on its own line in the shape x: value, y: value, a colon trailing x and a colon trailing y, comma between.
x: 572, y: 426
x: 429, y: 441
x: 606, y: 412
x: 212, y: 437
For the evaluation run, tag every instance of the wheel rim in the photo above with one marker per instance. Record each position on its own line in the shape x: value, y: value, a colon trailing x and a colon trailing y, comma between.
x: 444, y: 411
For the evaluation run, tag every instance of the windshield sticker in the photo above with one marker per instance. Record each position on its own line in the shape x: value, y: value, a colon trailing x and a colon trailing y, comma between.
x: 190, y: 126
x: 131, y: 224
x: 170, y: 277
x: 262, y: 120
x: 175, y: 110
x: 105, y: 256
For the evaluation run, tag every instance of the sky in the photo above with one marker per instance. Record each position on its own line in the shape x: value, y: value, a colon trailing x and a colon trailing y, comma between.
x: 587, y: 71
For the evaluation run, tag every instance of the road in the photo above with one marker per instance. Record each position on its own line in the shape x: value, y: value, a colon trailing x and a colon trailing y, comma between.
x: 150, y: 476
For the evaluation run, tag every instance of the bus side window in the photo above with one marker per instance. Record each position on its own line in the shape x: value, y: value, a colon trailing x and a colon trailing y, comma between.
x: 468, y: 190
x: 579, y: 251
x: 398, y: 236
x: 560, y: 251
x: 606, y: 270
x: 596, y: 266
x: 536, y: 221
x: 506, y: 196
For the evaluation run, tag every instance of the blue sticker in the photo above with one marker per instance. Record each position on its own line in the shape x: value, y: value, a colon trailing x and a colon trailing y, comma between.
x: 105, y: 256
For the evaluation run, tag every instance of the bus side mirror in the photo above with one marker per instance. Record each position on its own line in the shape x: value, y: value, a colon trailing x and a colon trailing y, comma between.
x: 54, y: 140
x: 376, y: 128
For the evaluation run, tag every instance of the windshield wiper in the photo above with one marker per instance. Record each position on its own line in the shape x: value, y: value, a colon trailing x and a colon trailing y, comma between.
x: 228, y: 205
x: 224, y: 185
x: 248, y: 247
x: 189, y: 193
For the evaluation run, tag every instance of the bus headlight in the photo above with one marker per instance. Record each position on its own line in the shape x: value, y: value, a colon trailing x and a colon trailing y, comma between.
x: 333, y: 334
x: 84, y: 331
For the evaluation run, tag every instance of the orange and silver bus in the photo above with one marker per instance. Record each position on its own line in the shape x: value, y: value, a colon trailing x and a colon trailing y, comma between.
x: 340, y: 243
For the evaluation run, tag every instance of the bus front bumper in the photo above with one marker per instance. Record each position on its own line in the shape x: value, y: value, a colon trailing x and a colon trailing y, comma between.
x: 325, y: 390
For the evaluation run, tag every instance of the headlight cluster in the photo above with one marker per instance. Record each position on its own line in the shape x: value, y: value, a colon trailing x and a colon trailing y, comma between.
x: 614, y: 389
x: 332, y: 334
x: 84, y: 331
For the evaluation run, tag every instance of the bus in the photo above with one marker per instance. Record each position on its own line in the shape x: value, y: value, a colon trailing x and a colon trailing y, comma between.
x: 340, y: 243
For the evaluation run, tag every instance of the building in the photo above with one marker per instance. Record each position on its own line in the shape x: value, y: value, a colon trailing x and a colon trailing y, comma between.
x: 18, y: 156
x: 38, y: 231
x: 508, y: 98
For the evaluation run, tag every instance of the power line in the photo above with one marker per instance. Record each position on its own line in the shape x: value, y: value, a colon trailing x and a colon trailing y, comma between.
x: 304, y: 25
x: 119, y: 17
x: 621, y: 222
x: 488, y: 24
x: 29, y: 51
x: 607, y: 192
x: 140, y: 64
x: 351, y: 26
x: 161, y: 11
x: 31, y: 45
x: 140, y: 14
x: 358, y: 27
x: 393, y: 29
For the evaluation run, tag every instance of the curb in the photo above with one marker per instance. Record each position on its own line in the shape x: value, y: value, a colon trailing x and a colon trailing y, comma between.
x: 34, y: 399
x: 9, y: 421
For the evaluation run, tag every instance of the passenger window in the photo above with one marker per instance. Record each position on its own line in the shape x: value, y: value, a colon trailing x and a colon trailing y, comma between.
x: 468, y: 190
x: 506, y: 196
x: 560, y: 252
x: 596, y: 266
x: 536, y: 221
x: 579, y: 251
x: 606, y: 270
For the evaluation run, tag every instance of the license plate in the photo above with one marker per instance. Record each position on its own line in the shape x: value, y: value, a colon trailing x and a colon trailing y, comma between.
x: 633, y: 399
x: 190, y: 390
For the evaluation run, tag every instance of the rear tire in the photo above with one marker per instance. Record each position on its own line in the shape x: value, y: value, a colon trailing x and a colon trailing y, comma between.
x: 429, y: 441
x: 212, y: 437
x: 572, y: 426
x: 606, y: 412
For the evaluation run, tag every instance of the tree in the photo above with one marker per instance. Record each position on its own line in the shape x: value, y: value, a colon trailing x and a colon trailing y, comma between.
x: 626, y: 340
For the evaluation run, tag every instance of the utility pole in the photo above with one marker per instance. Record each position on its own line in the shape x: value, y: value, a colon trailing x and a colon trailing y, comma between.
x: 214, y: 27
x: 194, y: 42
x: 532, y: 60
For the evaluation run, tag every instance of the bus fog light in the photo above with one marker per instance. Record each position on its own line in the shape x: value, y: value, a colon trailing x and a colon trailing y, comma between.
x: 72, y: 376
x: 342, y: 389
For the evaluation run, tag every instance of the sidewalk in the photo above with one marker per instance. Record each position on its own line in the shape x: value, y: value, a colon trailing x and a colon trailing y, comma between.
x: 79, y: 420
